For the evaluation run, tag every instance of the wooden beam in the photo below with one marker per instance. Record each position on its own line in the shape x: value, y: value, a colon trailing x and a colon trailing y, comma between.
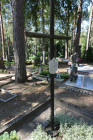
x: 60, y: 37
x: 37, y: 35
x: 41, y: 35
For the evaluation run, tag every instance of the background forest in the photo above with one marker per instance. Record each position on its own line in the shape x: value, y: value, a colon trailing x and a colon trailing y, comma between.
x: 37, y: 19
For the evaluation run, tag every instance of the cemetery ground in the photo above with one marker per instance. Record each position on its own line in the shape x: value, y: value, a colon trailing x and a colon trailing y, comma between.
x: 29, y: 96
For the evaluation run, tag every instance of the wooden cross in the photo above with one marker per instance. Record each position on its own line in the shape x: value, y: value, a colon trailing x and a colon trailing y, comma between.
x: 50, y: 36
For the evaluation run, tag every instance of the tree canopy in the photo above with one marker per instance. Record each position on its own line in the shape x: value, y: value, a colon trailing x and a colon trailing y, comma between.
x: 37, y: 19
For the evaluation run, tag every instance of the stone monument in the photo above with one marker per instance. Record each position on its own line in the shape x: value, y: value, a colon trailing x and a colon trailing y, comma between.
x: 73, y: 75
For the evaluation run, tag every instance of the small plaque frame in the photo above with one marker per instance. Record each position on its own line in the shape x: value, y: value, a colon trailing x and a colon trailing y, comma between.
x: 53, y: 66
x: 9, y: 96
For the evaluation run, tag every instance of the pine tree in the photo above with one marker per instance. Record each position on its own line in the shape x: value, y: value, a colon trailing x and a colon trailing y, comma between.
x: 18, y: 33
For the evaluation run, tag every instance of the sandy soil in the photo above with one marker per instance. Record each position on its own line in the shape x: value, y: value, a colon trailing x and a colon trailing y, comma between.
x: 29, y: 96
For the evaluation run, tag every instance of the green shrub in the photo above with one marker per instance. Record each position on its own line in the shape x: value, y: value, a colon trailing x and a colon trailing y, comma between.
x: 70, y: 129
x: 89, y: 55
x: 39, y: 134
x: 3, y: 71
x: 83, y: 40
x: 32, y: 58
x: 12, y: 63
x: 45, y: 73
x: 35, y: 59
x: 8, y: 63
x: 64, y: 75
x: 60, y: 55
x: 76, y: 132
x: 13, y: 136
x: 65, y: 119
x: 28, y: 62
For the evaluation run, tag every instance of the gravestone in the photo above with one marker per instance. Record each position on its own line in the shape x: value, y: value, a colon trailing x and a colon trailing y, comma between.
x: 73, y: 75
x: 73, y: 58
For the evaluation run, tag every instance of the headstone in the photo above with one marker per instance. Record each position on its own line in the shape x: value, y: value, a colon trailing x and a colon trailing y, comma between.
x: 73, y: 75
x: 40, y: 69
x: 73, y: 58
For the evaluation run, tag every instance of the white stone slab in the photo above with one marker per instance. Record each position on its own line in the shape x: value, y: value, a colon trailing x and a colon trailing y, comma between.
x: 83, y: 81
x: 85, y: 68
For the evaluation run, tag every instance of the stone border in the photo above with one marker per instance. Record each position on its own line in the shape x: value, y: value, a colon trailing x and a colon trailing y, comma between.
x: 44, y: 125
x: 75, y: 108
x: 32, y: 113
x: 46, y: 78
x: 13, y: 96
x: 71, y: 108
x: 23, y: 117
x: 6, y: 77
x: 6, y: 83
x: 85, y: 73
x: 76, y: 89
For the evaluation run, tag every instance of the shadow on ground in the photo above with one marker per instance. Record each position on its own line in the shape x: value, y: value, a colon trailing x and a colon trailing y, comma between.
x: 28, y: 96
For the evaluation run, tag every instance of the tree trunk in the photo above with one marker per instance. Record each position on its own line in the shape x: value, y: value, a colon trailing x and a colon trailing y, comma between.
x: 74, y: 28
x: 36, y: 30
x: 74, y: 22
x: 18, y: 33
x: 1, y: 61
x: 90, y: 23
x: 26, y: 47
x: 36, y: 46
x: 66, y: 31
x: 31, y: 47
x: 66, y: 49
x: 43, y: 47
x: 2, y: 33
x: 1, y: 58
x: 8, y: 50
x: 76, y: 42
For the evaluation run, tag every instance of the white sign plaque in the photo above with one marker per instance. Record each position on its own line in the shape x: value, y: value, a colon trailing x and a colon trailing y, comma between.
x: 53, y: 66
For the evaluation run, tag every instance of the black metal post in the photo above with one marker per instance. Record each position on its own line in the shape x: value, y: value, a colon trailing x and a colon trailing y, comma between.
x: 51, y: 56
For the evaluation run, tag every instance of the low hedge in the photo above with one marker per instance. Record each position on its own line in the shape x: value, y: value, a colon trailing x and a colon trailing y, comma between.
x: 63, y: 75
x: 12, y: 136
x: 69, y: 129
